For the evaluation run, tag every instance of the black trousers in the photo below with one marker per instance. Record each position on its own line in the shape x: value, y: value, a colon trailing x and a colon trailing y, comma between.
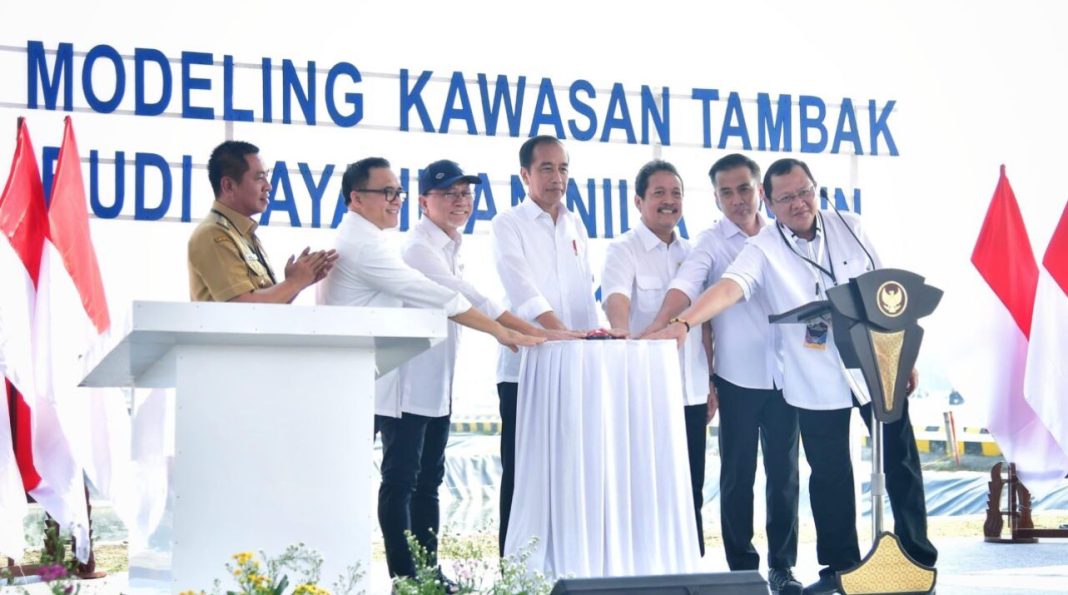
x: 413, y: 467
x: 508, y: 392
x: 748, y: 416
x: 696, y: 433
x: 825, y: 435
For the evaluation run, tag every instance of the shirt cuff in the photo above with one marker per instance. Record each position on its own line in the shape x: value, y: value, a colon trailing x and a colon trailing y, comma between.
x: 534, y: 307
x: 607, y: 292
x: 233, y: 291
x: 457, y: 305
x: 491, y: 309
x: 747, y: 288
x: 692, y: 290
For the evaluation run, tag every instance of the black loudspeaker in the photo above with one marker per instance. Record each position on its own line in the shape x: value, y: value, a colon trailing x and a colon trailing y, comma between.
x: 746, y: 582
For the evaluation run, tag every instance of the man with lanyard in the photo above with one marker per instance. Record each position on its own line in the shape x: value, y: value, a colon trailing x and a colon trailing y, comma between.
x: 226, y: 259
x: 792, y: 263
x: 370, y: 272
x: 751, y: 405
x: 638, y: 268
x: 539, y: 248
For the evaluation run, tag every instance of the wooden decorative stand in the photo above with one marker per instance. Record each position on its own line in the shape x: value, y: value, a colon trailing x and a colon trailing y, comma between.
x: 1021, y: 527
x: 54, y: 544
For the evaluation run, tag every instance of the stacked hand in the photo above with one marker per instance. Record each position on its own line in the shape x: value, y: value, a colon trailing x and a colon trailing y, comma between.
x: 310, y: 267
x: 607, y: 333
x: 672, y: 331
x: 514, y: 339
x: 560, y: 335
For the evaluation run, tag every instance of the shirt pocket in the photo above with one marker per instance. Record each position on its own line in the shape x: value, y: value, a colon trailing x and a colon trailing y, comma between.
x: 650, y: 292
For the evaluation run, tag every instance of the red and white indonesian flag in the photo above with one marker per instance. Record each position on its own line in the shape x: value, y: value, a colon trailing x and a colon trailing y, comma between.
x: 95, y: 420
x: 52, y: 310
x: 22, y: 223
x: 48, y: 468
x: 1046, y: 384
x: 1004, y: 260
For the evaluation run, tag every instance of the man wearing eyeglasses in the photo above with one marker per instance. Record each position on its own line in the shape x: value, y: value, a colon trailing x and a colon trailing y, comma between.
x: 638, y: 269
x: 226, y: 262
x: 751, y: 406
x: 433, y: 248
x: 785, y: 266
x: 370, y: 272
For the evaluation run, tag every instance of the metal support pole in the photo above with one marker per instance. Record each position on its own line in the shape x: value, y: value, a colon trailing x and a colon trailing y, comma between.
x: 951, y: 436
x: 878, y: 479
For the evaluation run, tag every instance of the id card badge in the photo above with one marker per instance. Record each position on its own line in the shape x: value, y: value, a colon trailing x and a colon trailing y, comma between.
x: 816, y: 334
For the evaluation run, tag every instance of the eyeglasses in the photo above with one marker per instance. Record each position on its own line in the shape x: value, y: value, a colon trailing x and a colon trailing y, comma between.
x: 391, y: 194
x: 453, y: 195
x: 803, y: 194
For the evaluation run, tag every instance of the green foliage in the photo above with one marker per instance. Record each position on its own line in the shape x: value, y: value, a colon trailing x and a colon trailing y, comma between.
x: 271, y: 575
x: 474, y: 570
x: 56, y: 573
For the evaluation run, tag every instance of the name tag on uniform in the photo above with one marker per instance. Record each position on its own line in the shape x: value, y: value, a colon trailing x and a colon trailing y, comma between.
x: 816, y: 334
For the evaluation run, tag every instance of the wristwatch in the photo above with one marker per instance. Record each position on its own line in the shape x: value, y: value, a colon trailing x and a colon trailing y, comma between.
x: 677, y: 319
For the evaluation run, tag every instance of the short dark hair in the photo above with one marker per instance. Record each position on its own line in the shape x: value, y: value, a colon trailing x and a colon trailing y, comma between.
x: 641, y: 183
x: 730, y: 162
x: 526, y: 152
x: 357, y: 174
x: 228, y: 160
x: 781, y: 168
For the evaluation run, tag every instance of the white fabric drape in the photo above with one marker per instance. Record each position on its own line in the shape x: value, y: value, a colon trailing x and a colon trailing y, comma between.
x: 602, y: 474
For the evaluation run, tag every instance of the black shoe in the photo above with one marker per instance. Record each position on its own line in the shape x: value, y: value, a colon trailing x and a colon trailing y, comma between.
x: 826, y: 585
x: 450, y: 586
x: 782, y: 581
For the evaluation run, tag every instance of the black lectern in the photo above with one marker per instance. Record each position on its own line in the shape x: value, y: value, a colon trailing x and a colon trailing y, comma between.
x: 874, y: 325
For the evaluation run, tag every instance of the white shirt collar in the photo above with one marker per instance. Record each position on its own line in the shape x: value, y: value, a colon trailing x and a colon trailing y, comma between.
x: 361, y: 222
x: 819, y: 230
x: 436, y: 236
x: 649, y: 239
x: 731, y: 229
x: 531, y: 210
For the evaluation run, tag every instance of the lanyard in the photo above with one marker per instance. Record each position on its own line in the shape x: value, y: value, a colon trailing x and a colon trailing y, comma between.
x: 814, y: 259
x: 254, y: 245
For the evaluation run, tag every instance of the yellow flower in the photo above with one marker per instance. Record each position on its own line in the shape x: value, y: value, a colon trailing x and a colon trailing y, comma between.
x: 243, y: 558
x: 310, y: 589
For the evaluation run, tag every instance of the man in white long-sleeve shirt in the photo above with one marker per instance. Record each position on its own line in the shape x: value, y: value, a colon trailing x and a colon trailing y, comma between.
x: 369, y: 272
x: 433, y: 248
x: 638, y: 269
x: 752, y: 410
x: 539, y: 248
x: 786, y: 265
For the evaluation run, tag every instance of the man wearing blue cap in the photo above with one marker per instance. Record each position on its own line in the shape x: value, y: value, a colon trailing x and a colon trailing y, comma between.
x: 414, y: 425
x: 433, y: 248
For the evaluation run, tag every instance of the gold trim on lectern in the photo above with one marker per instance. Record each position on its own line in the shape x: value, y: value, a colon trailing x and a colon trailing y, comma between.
x: 888, y: 355
x: 887, y: 569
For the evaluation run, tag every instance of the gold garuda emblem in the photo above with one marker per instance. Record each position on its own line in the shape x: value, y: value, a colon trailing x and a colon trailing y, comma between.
x: 891, y: 299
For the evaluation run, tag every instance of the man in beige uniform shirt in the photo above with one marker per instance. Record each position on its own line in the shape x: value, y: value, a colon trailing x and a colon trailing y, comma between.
x: 226, y: 260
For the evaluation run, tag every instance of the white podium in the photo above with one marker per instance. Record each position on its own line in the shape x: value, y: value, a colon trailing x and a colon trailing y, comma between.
x: 273, y: 428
